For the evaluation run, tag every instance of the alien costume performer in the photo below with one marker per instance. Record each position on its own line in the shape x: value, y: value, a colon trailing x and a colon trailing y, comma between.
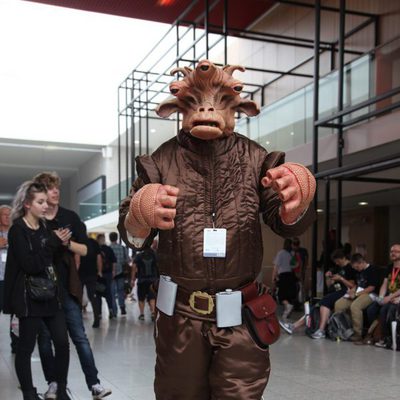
x: 211, y: 177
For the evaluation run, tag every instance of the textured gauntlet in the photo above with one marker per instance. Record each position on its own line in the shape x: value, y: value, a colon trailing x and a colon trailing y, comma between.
x: 141, y: 214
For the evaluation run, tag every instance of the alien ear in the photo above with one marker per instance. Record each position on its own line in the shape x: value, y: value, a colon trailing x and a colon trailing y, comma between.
x: 249, y: 107
x: 167, y: 107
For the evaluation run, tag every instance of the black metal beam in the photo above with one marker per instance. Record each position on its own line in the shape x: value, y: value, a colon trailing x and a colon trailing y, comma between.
x: 326, y: 8
x: 363, y: 104
x: 372, y: 114
x: 367, y: 167
x: 373, y: 180
x: 340, y: 139
x: 317, y: 37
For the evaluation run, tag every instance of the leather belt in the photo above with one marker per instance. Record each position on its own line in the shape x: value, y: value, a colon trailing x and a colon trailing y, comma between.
x: 203, y: 303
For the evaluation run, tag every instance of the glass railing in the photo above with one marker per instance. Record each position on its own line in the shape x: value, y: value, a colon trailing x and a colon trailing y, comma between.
x: 103, y: 202
x: 287, y: 123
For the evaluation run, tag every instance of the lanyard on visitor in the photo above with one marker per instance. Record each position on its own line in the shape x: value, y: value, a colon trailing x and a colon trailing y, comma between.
x: 394, y: 275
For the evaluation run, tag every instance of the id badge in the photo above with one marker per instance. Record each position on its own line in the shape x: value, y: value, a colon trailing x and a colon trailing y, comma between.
x: 214, y: 243
x: 166, y: 295
x: 3, y: 256
x: 229, y: 308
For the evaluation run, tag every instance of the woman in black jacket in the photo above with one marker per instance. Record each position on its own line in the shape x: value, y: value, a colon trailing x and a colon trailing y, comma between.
x: 30, y: 254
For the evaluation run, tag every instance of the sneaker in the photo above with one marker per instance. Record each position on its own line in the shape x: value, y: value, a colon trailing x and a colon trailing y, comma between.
x: 99, y: 392
x: 153, y: 316
x: 356, y: 338
x: 381, y: 344
x: 318, y: 334
x: 287, y: 327
x: 141, y: 317
x: 96, y: 324
x: 123, y: 311
x: 51, y: 391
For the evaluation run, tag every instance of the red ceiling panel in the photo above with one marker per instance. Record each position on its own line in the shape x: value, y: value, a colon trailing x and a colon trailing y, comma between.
x: 241, y: 13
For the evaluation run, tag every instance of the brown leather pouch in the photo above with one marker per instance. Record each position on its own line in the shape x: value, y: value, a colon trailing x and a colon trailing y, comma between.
x: 261, y: 321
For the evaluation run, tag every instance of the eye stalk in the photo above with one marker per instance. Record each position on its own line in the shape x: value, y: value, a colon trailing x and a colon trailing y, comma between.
x: 174, y: 90
x: 204, y: 67
x: 238, y: 88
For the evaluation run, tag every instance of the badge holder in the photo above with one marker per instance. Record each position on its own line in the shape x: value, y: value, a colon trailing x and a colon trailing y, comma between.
x: 166, y: 295
x: 229, y: 308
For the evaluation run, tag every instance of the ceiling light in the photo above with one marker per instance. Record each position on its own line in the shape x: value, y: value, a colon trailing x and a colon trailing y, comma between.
x: 320, y: 210
x: 153, y: 130
x: 137, y: 142
x: 291, y: 133
x: 362, y: 203
x: 267, y: 142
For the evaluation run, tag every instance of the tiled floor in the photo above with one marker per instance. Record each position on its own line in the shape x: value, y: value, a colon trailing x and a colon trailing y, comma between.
x: 302, y: 369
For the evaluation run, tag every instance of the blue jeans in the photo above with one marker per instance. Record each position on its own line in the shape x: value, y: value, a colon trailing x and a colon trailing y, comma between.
x: 118, y: 290
x: 76, y: 330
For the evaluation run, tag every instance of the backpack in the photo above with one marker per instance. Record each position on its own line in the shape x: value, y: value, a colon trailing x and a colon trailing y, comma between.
x: 147, y: 270
x: 107, y: 266
x: 340, y: 326
x: 313, y: 320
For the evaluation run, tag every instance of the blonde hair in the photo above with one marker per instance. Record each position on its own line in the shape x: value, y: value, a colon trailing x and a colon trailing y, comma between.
x: 25, y: 194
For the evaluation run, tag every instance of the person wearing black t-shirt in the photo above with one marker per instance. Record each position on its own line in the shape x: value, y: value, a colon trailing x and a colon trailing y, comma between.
x: 108, y: 273
x: 90, y: 268
x: 361, y: 296
x: 71, y: 290
x: 339, y: 280
x: 389, y: 296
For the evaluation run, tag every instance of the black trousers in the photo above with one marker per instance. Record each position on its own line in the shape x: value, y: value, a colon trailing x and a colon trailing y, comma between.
x: 94, y: 298
x: 29, y: 328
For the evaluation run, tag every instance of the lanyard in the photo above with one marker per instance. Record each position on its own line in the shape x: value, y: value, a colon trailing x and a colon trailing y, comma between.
x: 394, y: 275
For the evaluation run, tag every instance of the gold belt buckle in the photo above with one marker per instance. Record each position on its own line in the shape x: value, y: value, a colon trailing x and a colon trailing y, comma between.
x: 202, y: 296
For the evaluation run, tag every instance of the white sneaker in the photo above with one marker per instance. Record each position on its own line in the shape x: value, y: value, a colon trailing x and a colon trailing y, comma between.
x: 287, y: 326
x: 380, y: 344
x: 51, y: 391
x: 99, y: 392
x: 318, y: 334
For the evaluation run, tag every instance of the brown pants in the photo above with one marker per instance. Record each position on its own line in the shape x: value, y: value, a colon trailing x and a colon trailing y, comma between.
x: 198, y: 361
x: 356, y: 308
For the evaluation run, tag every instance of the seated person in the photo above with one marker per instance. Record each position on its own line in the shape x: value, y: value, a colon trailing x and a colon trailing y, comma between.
x: 361, y: 296
x: 389, y: 296
x: 339, y: 280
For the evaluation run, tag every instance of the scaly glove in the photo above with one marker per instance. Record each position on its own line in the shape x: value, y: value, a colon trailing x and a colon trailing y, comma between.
x: 295, y: 186
x: 153, y: 206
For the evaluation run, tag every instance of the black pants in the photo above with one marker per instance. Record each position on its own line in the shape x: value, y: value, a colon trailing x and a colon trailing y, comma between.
x: 29, y: 328
x: 94, y: 298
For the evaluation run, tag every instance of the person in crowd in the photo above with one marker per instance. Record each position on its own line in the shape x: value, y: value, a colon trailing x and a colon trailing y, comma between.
x: 339, y: 281
x: 58, y: 217
x: 121, y: 255
x: 283, y: 275
x: 361, y: 296
x: 90, y: 268
x: 301, y: 255
x: 109, y: 265
x: 4, y: 227
x: 5, y: 211
x: 389, y: 296
x: 145, y: 270
x: 347, y: 249
x: 32, y: 246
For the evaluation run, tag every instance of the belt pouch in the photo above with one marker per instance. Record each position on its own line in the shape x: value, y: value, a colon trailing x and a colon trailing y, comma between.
x: 261, y: 321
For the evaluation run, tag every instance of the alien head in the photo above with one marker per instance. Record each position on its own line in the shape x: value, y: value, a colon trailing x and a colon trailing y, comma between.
x: 208, y: 98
